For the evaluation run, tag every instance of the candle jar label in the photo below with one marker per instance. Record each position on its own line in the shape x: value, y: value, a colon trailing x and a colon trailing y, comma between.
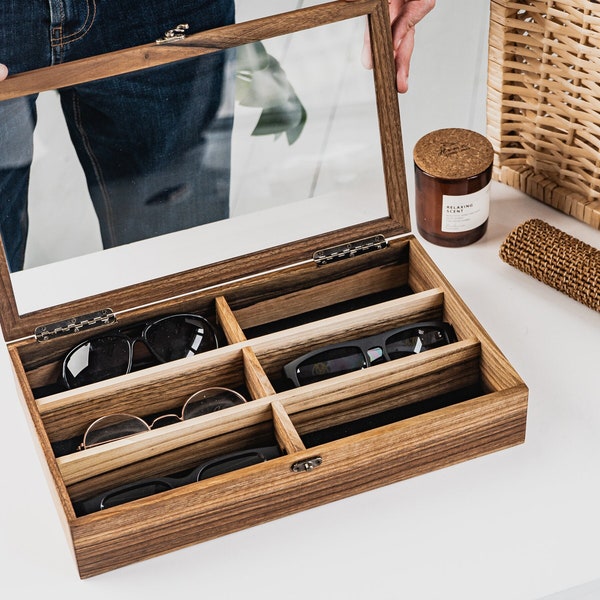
x: 463, y: 213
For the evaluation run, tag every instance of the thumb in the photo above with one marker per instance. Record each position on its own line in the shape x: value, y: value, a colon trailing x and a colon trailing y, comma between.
x: 3, y: 72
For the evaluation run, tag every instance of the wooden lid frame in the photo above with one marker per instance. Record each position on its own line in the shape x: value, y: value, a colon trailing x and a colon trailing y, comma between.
x: 147, y: 295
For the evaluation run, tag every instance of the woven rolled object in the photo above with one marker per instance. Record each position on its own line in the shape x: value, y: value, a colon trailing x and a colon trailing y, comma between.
x: 543, y: 103
x: 556, y: 259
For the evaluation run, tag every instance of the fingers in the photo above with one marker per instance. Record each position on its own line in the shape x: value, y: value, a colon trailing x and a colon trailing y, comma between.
x: 3, y: 72
x: 405, y: 14
x: 402, y: 56
x: 366, y: 56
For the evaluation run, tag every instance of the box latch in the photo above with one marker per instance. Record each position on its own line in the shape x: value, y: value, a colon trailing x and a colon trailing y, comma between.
x: 350, y: 249
x: 43, y: 333
x: 307, y: 464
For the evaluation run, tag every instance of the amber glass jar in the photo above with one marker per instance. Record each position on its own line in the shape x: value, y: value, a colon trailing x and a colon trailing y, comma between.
x: 453, y: 171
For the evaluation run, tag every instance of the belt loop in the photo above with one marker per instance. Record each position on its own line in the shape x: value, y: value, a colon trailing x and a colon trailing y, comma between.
x: 57, y: 17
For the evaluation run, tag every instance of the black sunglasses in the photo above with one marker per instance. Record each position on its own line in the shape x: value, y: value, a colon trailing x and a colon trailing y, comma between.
x: 155, y: 485
x: 111, y: 354
x: 358, y: 354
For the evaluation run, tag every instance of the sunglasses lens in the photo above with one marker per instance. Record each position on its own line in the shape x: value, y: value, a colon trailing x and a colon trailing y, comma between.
x: 413, y: 341
x: 210, y: 400
x: 133, y: 492
x: 225, y: 465
x: 330, y: 363
x: 113, y: 427
x: 180, y: 336
x: 96, y: 360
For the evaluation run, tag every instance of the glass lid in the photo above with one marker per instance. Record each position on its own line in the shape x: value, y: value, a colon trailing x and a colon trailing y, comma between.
x: 195, y: 148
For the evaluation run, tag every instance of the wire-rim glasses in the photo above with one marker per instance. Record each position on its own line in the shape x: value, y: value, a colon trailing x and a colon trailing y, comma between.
x: 110, y: 428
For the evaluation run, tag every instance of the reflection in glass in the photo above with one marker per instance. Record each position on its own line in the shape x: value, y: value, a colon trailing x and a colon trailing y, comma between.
x: 290, y: 148
x: 154, y: 147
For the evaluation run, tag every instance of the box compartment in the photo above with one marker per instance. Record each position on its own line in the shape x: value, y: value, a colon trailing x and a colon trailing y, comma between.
x: 337, y: 437
x: 368, y: 428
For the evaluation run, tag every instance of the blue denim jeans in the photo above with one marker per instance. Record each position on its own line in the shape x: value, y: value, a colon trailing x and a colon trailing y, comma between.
x: 154, y: 145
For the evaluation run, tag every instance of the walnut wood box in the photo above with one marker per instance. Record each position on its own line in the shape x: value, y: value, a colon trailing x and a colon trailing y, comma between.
x: 423, y: 412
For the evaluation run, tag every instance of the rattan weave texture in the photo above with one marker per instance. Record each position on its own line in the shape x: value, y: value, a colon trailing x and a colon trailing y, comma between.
x: 556, y: 259
x: 543, y: 104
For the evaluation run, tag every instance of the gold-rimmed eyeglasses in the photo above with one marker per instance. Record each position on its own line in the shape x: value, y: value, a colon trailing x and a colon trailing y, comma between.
x: 113, y: 427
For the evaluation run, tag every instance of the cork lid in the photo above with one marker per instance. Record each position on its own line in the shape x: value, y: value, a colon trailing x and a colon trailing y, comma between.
x: 453, y: 153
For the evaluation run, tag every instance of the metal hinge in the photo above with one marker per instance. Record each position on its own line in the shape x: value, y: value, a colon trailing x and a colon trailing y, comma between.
x: 173, y: 35
x: 307, y: 464
x: 74, y: 325
x: 350, y: 249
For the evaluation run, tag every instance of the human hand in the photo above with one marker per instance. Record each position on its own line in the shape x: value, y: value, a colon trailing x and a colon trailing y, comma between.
x: 3, y: 72
x: 404, y: 15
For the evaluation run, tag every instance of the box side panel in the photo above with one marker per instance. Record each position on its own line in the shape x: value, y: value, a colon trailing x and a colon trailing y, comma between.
x: 272, y: 490
x: 497, y: 373
x: 42, y: 445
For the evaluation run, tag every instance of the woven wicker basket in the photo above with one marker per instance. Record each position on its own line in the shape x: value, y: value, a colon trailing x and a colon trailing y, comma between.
x: 544, y: 101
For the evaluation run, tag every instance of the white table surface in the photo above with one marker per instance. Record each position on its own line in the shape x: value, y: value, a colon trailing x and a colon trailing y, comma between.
x: 523, y: 523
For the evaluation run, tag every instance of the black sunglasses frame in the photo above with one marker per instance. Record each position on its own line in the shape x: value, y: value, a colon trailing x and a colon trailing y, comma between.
x: 368, y: 343
x: 131, y: 341
x: 229, y: 462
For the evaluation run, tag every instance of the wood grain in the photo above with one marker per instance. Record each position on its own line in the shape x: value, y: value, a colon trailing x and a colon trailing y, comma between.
x: 287, y: 435
x: 219, y: 506
x: 227, y: 321
x: 257, y: 381
x: 150, y: 55
x: 285, y: 284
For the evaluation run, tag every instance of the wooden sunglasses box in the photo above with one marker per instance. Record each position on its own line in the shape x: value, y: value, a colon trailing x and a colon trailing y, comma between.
x: 337, y: 437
